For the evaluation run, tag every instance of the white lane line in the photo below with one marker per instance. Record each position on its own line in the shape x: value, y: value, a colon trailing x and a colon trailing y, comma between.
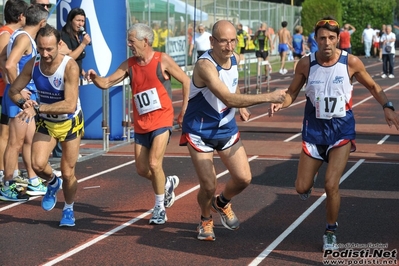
x: 383, y: 140
x: 299, y: 220
x: 293, y: 137
x: 122, y: 226
x: 79, y: 181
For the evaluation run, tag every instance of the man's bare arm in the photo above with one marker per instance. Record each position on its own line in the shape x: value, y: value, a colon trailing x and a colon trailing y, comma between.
x: 106, y: 82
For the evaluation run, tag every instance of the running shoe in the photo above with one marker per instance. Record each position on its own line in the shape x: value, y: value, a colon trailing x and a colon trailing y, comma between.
x: 50, y: 198
x: 306, y: 195
x: 158, y: 216
x: 384, y: 76
x: 329, y: 241
x: 205, y: 230
x: 38, y: 190
x: 13, y: 193
x: 21, y: 180
x: 227, y: 216
x: 68, y: 218
x: 170, y: 193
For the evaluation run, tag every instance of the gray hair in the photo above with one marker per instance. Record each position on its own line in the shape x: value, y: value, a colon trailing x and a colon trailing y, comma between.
x: 142, y: 32
x: 35, y: 14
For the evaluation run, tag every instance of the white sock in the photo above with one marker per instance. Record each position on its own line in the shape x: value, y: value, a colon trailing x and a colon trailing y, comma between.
x: 34, y: 181
x: 159, y: 200
x: 16, y: 173
x: 68, y: 206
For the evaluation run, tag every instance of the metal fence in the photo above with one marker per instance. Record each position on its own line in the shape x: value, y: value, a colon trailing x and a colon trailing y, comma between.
x: 179, y: 19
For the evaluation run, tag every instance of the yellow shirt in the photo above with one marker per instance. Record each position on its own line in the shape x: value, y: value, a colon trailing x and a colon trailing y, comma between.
x: 155, y: 43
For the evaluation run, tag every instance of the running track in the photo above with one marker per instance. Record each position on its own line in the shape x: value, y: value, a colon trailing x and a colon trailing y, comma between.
x: 114, y: 204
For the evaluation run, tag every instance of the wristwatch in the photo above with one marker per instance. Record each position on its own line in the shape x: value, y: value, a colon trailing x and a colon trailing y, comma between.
x: 20, y: 103
x: 388, y: 105
x: 37, y: 107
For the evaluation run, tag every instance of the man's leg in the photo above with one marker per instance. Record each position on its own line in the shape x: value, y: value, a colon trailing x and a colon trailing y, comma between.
x: 307, y: 169
x: 17, y: 132
x: 149, y: 164
x: 203, y: 164
x: 3, y: 143
x: 10, y: 190
x: 338, y: 158
x: 27, y: 148
x: 236, y: 162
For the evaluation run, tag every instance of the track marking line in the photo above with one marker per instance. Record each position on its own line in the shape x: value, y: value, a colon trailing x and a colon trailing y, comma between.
x: 124, y: 225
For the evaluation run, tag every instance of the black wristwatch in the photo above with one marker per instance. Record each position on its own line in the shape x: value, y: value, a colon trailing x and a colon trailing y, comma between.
x: 388, y: 105
x: 20, y: 103
x: 37, y: 107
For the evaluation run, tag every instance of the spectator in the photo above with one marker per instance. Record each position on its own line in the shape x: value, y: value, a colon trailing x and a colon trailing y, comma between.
x: 284, y: 46
x: 388, y: 52
x: 163, y: 35
x: 345, y: 38
x: 367, y: 40
x: 243, y: 38
x: 382, y: 31
x: 200, y: 41
x: 263, y: 48
x: 298, y: 45
x: 312, y: 44
x: 74, y: 38
x: 155, y: 43
x: 376, y: 43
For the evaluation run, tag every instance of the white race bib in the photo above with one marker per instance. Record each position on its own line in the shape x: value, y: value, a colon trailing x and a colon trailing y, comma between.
x: 328, y: 107
x: 147, y: 101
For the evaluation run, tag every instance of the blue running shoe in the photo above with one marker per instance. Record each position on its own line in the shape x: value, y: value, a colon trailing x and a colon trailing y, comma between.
x: 50, y: 199
x: 68, y: 218
x: 38, y: 190
x: 13, y: 193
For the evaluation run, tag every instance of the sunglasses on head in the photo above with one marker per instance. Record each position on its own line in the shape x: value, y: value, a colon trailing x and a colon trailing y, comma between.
x: 330, y: 22
x: 46, y: 5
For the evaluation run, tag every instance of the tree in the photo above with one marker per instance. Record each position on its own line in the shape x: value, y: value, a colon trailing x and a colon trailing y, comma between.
x: 314, y: 10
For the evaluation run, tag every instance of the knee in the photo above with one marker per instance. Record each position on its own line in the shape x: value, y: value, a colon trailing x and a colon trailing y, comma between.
x: 243, y: 182
x: 209, y: 191
x: 331, y: 188
x: 300, y: 187
x: 38, y: 167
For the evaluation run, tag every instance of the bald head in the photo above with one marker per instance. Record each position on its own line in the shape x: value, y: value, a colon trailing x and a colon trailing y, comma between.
x: 222, y: 25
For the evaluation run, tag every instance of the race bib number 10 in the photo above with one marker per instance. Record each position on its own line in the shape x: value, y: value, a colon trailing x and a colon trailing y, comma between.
x: 329, y: 107
x: 147, y: 101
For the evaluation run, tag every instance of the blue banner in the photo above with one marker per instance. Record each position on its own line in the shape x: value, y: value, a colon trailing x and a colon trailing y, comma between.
x: 107, y: 27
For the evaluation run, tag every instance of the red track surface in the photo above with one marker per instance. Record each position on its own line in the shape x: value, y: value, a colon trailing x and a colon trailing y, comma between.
x: 113, y: 203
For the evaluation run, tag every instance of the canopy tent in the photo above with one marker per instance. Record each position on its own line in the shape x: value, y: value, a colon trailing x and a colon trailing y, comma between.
x: 157, y: 6
x: 195, y: 14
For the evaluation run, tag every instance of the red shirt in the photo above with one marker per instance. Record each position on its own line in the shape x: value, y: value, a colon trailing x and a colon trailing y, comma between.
x: 142, y: 80
x: 344, y: 39
x: 3, y: 82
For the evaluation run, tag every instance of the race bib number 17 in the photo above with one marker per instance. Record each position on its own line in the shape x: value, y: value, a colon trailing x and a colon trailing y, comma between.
x: 329, y: 107
x: 147, y: 101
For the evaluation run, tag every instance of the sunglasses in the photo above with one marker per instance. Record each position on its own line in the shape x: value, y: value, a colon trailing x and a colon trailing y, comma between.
x: 323, y: 22
x: 46, y: 5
